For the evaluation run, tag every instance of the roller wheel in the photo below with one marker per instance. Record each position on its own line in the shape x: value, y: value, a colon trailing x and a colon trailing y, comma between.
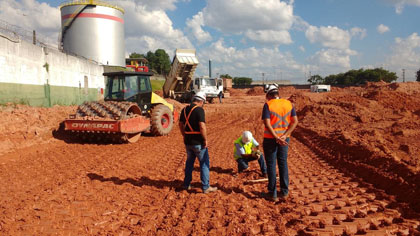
x: 161, y: 120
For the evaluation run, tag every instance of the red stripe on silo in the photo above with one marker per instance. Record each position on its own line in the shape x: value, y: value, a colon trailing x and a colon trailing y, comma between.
x: 93, y: 15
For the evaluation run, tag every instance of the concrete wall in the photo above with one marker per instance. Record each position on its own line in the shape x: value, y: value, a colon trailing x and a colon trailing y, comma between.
x: 42, y: 76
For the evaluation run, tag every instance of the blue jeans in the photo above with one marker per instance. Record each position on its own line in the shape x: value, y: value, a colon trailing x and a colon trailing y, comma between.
x: 275, y: 152
x: 243, y: 164
x: 202, y: 154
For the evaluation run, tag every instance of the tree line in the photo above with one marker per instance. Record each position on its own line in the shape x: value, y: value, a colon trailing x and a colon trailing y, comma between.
x: 355, y: 77
x: 238, y: 80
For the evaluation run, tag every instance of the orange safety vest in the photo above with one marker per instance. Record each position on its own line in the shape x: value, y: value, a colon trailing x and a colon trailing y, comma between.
x: 280, y: 116
x: 187, y: 122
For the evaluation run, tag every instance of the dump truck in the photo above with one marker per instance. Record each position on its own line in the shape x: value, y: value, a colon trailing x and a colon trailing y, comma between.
x: 129, y: 109
x: 180, y: 83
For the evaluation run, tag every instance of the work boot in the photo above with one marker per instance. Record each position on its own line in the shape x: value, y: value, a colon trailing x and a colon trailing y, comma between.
x: 187, y: 187
x: 283, y: 196
x: 210, y: 189
x: 269, y: 196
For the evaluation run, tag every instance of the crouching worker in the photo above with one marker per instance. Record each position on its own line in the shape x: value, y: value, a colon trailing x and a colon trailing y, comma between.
x: 246, y: 149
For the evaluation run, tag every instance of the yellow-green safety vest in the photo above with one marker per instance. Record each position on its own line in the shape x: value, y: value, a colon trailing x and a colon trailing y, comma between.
x: 247, y: 147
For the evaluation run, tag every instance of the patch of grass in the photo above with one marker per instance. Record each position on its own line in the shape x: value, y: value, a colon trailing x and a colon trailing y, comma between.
x: 157, y: 84
x: 14, y: 103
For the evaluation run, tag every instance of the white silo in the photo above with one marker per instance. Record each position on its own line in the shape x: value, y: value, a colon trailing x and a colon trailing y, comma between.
x: 95, y: 30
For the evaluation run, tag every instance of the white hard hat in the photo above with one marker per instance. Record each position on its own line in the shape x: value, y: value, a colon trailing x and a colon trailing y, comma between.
x: 200, y: 96
x: 246, y: 137
x: 272, y: 88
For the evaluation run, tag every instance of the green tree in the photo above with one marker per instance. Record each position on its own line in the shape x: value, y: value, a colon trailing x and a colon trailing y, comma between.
x: 242, y: 81
x: 136, y: 55
x: 316, y: 79
x: 361, y: 76
x: 331, y: 79
x: 159, y: 61
x: 418, y: 76
x: 163, y: 62
x: 226, y: 76
x: 150, y: 56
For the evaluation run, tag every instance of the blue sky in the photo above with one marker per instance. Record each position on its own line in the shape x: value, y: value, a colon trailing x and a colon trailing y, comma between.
x: 282, y: 39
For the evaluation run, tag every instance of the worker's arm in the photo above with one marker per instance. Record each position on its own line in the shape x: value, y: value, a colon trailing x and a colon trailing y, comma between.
x: 181, y: 128
x: 279, y: 139
x: 267, y: 124
x: 203, y: 131
x: 241, y: 151
x: 292, y: 126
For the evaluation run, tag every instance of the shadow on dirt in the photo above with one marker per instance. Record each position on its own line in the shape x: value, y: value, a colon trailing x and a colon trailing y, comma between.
x: 177, y: 185
x: 218, y: 170
x: 138, y: 182
x: 67, y: 137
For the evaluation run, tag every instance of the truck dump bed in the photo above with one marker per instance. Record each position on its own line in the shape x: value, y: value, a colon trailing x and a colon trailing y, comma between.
x: 181, y: 73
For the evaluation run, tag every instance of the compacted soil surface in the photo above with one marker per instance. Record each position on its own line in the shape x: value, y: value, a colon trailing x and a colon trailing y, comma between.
x: 354, y: 163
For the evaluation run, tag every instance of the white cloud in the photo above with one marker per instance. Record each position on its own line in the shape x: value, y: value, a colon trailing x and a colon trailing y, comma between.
x: 333, y: 59
x: 269, y: 36
x: 300, y: 24
x: 400, y: 4
x: 302, y: 48
x: 356, y: 31
x: 331, y: 37
x: 258, y: 19
x: 382, y: 29
x: 155, y: 4
x: 195, y: 26
x: 149, y: 28
x: 32, y: 15
x: 250, y: 62
x: 405, y: 55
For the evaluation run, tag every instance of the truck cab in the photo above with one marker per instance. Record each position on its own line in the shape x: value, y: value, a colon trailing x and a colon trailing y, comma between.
x: 207, y: 85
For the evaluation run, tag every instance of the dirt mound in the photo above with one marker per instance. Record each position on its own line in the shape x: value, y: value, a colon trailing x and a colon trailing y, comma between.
x: 370, y: 129
x: 286, y: 91
x: 177, y: 105
x: 159, y: 92
x: 256, y: 91
x: 237, y: 92
x: 24, y: 126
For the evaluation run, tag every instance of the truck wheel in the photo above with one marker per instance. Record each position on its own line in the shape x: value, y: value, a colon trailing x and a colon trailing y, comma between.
x: 162, y: 120
x: 211, y: 100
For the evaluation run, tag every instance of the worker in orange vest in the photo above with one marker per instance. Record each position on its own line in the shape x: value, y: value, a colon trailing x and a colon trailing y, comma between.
x: 279, y: 118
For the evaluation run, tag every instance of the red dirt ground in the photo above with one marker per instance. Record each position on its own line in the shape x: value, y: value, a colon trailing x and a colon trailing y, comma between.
x: 353, y: 161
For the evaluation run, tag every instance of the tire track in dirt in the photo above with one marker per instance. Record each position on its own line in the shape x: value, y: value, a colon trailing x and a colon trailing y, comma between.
x: 328, y: 202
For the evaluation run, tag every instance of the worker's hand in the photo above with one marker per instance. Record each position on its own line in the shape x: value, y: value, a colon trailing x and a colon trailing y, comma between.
x: 281, y: 140
x: 205, y: 143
